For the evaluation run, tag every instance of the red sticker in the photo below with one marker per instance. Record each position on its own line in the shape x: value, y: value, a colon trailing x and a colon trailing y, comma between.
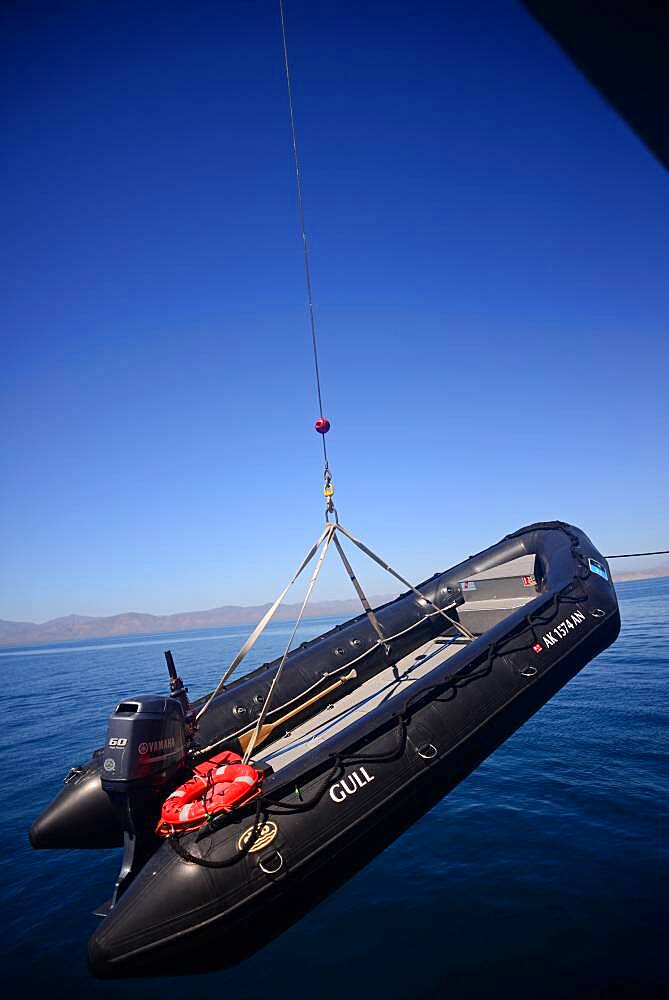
x: 529, y: 581
x: 536, y: 647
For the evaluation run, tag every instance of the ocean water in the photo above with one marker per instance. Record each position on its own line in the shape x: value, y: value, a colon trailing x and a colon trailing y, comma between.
x: 544, y: 874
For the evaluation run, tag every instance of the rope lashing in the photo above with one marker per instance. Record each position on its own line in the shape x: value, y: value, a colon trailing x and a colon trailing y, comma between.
x: 204, y: 751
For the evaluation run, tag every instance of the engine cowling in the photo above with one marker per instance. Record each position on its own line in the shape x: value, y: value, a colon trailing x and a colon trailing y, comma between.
x: 146, y: 742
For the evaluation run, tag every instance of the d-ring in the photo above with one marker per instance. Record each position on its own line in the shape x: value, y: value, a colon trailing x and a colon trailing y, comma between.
x: 428, y: 751
x: 272, y: 871
x: 529, y: 671
x: 597, y: 613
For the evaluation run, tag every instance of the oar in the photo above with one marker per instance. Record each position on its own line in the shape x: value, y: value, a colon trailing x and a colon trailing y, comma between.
x: 269, y: 727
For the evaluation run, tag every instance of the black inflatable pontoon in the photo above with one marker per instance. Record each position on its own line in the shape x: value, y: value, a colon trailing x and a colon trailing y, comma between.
x: 404, y: 726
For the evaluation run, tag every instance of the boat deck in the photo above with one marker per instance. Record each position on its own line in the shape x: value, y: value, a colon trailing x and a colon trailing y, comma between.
x: 380, y: 688
x: 497, y: 594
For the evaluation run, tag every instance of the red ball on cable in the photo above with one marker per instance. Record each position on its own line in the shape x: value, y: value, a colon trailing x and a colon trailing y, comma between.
x: 322, y: 425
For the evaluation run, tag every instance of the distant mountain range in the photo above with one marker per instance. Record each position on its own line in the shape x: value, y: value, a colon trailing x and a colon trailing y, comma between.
x: 641, y: 574
x: 73, y: 627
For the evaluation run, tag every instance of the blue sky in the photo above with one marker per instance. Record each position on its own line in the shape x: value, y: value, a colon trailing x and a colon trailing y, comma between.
x: 489, y: 253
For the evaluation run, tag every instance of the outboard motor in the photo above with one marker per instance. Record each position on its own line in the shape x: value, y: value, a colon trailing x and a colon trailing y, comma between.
x: 82, y: 815
x: 145, y: 756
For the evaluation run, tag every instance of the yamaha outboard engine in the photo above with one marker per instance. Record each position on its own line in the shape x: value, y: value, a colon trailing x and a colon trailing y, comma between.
x: 144, y: 759
x: 145, y: 741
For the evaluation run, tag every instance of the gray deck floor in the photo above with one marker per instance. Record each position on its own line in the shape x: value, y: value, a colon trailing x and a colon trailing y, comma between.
x: 384, y: 686
x: 395, y: 679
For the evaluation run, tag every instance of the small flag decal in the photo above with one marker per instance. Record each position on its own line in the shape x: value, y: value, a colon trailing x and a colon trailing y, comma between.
x: 596, y: 567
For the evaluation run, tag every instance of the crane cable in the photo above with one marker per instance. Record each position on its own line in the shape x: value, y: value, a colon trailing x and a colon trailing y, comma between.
x: 631, y: 555
x: 329, y: 534
x: 322, y: 424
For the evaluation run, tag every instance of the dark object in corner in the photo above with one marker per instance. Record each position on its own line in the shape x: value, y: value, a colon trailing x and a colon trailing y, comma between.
x: 622, y: 47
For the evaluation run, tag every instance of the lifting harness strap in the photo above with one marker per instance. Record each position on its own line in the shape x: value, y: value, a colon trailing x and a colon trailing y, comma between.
x: 373, y: 620
x: 260, y: 627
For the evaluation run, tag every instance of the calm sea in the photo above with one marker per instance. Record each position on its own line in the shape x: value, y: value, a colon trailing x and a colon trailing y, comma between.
x: 545, y: 874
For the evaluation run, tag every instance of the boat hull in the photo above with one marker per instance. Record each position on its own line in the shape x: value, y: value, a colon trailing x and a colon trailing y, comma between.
x: 208, y: 899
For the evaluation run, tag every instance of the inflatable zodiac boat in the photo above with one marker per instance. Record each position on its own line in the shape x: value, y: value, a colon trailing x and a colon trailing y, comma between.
x: 369, y: 726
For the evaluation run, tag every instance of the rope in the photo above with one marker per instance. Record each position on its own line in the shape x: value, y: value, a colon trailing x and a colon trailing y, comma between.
x: 175, y: 842
x: 346, y: 666
x: 386, y: 691
x: 340, y: 762
x: 261, y: 718
x: 300, y: 211
x: 384, y: 565
x: 447, y: 687
x: 202, y: 752
x: 630, y: 555
x: 328, y: 535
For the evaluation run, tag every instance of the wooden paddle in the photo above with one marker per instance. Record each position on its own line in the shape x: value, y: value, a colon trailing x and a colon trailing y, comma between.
x: 269, y: 727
